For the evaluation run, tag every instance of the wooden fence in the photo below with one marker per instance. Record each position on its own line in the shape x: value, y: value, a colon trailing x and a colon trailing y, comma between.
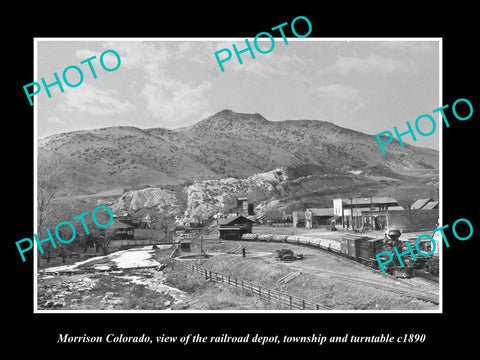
x: 270, y: 295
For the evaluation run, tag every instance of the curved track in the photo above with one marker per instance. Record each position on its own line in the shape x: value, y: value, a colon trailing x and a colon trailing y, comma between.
x: 403, y: 287
x: 404, y: 290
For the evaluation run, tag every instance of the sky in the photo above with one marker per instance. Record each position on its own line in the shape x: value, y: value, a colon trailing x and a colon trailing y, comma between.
x: 368, y: 85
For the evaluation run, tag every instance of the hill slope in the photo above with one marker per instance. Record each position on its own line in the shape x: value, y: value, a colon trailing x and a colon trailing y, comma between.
x: 226, y: 144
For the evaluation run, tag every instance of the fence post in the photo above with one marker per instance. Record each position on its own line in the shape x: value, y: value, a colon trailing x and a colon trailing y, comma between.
x: 281, y: 297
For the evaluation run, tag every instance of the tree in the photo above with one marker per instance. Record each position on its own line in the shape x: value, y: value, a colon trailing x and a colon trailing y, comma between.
x: 201, y: 213
x: 229, y: 204
x: 47, y: 185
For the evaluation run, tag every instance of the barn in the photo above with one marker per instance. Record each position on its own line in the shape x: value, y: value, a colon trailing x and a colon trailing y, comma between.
x: 233, y: 228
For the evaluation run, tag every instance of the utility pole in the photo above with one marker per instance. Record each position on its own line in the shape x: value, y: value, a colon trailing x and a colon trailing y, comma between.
x: 356, y: 208
x: 351, y: 211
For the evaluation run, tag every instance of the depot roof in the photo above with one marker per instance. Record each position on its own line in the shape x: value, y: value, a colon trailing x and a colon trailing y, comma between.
x: 368, y: 201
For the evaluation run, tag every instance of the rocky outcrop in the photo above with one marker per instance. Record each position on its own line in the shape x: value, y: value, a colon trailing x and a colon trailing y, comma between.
x: 149, y: 198
x: 206, y: 198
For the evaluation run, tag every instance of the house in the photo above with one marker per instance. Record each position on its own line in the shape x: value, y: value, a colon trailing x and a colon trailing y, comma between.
x: 126, y: 219
x: 119, y: 230
x: 233, y: 228
x: 365, y: 213
x: 321, y: 217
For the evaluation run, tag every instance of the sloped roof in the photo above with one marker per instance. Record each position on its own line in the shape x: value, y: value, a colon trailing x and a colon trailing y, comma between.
x: 431, y: 205
x: 321, y: 211
x: 117, y: 224
x: 420, y: 203
x: 367, y: 201
x: 395, y: 208
x: 260, y: 216
x: 232, y: 219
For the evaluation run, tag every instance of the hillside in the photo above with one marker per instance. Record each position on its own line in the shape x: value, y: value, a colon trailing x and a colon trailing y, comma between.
x: 319, y: 159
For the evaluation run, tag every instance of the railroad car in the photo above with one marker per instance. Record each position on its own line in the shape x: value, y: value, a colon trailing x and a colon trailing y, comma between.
x: 364, y: 249
x: 368, y: 249
x: 350, y: 245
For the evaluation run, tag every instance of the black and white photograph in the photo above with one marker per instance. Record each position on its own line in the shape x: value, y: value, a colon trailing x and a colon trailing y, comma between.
x: 228, y: 181
x: 262, y: 187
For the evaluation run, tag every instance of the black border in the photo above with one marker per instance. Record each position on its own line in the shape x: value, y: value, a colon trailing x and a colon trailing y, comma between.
x: 455, y: 25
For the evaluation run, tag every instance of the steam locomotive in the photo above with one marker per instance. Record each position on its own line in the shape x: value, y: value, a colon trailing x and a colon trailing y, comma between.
x: 363, y: 249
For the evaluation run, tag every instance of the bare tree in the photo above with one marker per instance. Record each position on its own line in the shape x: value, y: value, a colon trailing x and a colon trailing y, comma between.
x: 47, y: 186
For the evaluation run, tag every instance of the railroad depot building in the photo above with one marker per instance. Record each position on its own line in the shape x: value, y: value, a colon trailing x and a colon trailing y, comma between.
x: 364, y: 213
x: 233, y: 228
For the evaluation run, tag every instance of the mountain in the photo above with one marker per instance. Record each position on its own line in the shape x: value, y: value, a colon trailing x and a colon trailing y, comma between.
x: 233, y: 145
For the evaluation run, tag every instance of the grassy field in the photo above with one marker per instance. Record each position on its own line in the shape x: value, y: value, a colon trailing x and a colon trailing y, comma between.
x: 206, y: 295
x: 314, y: 284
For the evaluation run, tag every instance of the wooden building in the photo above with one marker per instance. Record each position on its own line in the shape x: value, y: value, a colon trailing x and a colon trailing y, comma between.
x: 321, y: 217
x: 233, y: 228
x: 244, y: 207
x: 119, y: 230
x: 364, y: 213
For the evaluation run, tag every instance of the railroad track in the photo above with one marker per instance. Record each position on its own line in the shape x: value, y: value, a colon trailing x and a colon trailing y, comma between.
x: 235, y: 250
x: 407, y: 290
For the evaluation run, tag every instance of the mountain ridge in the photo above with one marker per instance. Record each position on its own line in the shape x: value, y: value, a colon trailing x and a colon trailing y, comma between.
x: 226, y: 144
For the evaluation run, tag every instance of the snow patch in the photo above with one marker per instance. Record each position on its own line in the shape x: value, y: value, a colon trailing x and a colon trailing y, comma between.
x: 355, y: 172
x: 131, y: 258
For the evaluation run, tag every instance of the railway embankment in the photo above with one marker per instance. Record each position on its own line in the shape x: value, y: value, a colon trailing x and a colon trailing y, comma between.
x: 320, y: 278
